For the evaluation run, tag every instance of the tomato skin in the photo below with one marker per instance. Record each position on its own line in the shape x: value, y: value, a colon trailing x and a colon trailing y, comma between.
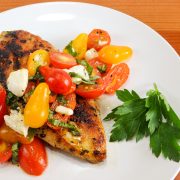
x: 62, y: 60
x: 91, y: 91
x: 37, y: 108
x: 98, y: 38
x: 33, y: 157
x: 116, y: 77
x: 10, y: 136
x: 5, y: 152
x: 96, y: 63
x: 37, y: 58
x: 114, y: 54
x: 58, y: 80
x: 72, y: 89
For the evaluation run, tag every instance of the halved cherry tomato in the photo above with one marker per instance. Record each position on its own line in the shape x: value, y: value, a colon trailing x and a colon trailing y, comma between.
x: 99, y: 65
x: 116, y: 77
x: 37, y: 58
x: 10, y: 136
x: 114, y: 54
x: 58, y: 80
x: 91, y: 91
x: 37, y: 108
x: 5, y: 152
x: 33, y: 158
x: 98, y: 38
x: 62, y: 60
x: 3, y: 108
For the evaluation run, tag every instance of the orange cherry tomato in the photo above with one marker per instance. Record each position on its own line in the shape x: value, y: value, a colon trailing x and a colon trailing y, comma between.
x: 37, y: 108
x: 98, y: 38
x: 33, y: 157
x: 62, y: 60
x: 116, y: 77
x: 114, y: 54
x: 80, y: 45
x: 37, y: 58
x: 91, y: 91
x: 10, y: 136
x: 5, y: 152
x: 3, y: 108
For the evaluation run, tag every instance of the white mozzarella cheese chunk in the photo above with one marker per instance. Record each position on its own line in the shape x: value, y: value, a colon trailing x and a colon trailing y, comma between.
x: 91, y: 54
x: 64, y: 110
x: 80, y: 71
x: 16, y: 122
x: 17, y: 82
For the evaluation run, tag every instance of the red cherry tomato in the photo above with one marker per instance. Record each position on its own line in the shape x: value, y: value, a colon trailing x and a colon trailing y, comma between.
x: 91, y: 91
x: 100, y: 65
x: 58, y: 80
x: 62, y: 60
x: 98, y: 38
x: 116, y: 77
x: 5, y: 152
x: 33, y: 158
x: 73, y: 88
x: 2, y: 104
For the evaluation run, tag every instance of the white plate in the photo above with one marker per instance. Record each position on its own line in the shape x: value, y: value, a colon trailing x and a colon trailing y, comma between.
x: 154, y: 60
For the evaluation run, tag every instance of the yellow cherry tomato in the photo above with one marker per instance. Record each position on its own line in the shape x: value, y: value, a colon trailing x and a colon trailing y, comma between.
x: 37, y: 58
x: 37, y: 108
x: 114, y: 54
x: 80, y: 45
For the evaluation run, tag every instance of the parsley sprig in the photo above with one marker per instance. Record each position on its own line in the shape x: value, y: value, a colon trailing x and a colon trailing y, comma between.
x: 151, y: 116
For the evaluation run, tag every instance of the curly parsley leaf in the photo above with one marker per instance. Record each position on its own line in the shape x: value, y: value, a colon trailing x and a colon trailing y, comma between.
x: 151, y: 116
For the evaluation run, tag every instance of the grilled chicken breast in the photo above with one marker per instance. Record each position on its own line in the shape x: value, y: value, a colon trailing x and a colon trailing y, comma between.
x: 15, y: 47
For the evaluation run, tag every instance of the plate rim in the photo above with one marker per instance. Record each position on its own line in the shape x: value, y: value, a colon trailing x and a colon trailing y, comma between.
x: 98, y: 6
x: 104, y: 7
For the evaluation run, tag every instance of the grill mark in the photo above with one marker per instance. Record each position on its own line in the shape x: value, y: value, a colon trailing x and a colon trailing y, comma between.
x: 2, y: 77
x: 81, y: 115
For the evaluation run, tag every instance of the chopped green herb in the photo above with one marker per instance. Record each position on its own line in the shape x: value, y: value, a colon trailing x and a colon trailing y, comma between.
x: 61, y: 99
x: 31, y: 134
x: 91, y: 79
x: 15, y: 150
x: 27, y: 95
x: 151, y: 116
x: 87, y: 66
x: 37, y: 76
x: 71, y: 50
x: 12, y: 100
x: 102, y: 69
x: 71, y: 127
